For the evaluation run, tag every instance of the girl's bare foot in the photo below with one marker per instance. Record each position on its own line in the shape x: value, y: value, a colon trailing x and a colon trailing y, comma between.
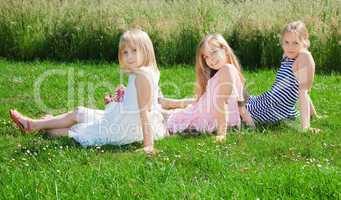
x: 22, y: 122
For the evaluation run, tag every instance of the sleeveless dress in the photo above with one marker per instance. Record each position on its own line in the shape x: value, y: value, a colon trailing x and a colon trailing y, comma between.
x: 279, y: 102
x: 201, y: 116
x: 120, y: 122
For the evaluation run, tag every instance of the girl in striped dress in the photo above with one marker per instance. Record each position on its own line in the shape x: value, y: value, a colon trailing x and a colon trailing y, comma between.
x: 293, y: 82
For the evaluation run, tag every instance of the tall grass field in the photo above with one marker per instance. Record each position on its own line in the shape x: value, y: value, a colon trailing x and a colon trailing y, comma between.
x: 90, y: 29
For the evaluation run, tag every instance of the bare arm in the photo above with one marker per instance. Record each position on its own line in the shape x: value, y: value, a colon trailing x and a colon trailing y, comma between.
x: 304, y: 71
x: 224, y: 90
x: 144, y: 97
x: 304, y: 109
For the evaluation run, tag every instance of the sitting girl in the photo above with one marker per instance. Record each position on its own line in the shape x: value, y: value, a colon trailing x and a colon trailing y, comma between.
x: 219, y: 90
x: 122, y: 122
x: 293, y: 82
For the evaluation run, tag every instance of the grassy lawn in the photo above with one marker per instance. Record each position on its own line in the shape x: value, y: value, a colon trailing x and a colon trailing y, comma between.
x: 269, y: 163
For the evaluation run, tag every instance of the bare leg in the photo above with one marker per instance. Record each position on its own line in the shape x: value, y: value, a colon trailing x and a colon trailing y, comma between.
x: 60, y: 121
x: 65, y: 120
x: 246, y: 117
x: 57, y: 132
x: 168, y: 103
x: 166, y: 113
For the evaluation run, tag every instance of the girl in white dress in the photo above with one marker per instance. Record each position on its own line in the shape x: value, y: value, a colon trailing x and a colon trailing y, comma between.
x: 135, y: 118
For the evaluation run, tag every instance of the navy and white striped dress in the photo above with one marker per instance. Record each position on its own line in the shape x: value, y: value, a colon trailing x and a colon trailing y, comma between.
x: 279, y: 102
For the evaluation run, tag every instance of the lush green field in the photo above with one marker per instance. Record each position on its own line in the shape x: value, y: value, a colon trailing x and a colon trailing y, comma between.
x: 90, y: 30
x: 276, y: 162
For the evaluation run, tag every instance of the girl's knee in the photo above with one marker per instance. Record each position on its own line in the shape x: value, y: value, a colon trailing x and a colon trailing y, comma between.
x: 77, y: 114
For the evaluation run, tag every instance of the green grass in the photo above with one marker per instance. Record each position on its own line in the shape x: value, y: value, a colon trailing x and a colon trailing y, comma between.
x: 273, y: 162
x: 90, y: 30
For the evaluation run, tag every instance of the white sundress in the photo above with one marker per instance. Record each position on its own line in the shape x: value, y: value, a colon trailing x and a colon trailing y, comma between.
x: 119, y: 123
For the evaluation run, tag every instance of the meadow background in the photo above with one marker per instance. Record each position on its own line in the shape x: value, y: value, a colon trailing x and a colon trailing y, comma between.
x: 69, y: 30
x: 79, y: 39
x: 271, y: 162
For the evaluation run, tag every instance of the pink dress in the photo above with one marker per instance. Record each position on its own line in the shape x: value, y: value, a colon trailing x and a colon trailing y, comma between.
x: 201, y: 116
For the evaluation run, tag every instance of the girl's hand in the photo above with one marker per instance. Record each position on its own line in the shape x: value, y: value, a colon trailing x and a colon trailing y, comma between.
x: 312, y: 130
x: 317, y: 116
x: 220, y: 138
x: 149, y: 150
x: 108, y: 99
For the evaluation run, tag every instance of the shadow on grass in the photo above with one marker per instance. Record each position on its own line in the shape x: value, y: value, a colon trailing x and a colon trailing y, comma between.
x: 66, y: 141
x: 40, y: 142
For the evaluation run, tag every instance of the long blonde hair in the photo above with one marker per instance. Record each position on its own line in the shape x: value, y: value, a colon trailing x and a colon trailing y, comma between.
x: 202, y: 70
x: 299, y: 28
x: 141, y: 41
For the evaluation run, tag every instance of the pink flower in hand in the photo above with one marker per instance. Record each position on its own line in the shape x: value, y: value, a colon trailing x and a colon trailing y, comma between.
x: 119, y: 94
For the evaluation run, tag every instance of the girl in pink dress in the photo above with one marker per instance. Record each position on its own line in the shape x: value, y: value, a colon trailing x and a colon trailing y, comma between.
x: 219, y: 91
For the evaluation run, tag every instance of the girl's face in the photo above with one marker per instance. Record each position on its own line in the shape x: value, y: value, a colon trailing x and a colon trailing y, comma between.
x: 292, y: 45
x: 132, y: 57
x: 214, y: 57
